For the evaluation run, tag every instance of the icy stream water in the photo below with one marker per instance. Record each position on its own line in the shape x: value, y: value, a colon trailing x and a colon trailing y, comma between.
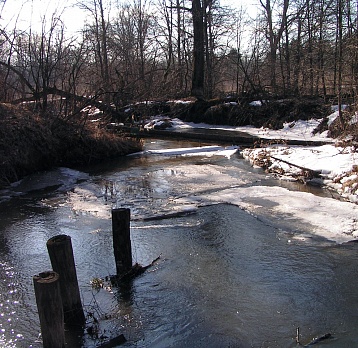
x: 225, y: 277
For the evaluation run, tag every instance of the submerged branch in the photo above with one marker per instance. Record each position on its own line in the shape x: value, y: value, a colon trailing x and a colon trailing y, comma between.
x: 135, y: 271
x: 167, y: 215
x: 314, y: 340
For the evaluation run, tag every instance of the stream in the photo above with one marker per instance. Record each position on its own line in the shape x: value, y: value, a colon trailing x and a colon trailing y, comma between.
x: 225, y: 277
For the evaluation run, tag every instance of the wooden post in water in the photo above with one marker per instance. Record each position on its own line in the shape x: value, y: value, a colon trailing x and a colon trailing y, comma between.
x: 121, y: 239
x: 62, y: 261
x: 50, y: 309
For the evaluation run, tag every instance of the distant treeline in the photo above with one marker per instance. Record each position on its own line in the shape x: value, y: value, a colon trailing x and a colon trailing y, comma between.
x: 166, y: 49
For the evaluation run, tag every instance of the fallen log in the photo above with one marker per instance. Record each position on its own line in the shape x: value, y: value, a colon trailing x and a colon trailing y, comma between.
x: 310, y: 172
x: 86, y: 101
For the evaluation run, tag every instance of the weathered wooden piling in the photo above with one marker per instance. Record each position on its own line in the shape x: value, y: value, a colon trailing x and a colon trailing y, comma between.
x: 50, y: 309
x: 62, y: 261
x: 121, y: 240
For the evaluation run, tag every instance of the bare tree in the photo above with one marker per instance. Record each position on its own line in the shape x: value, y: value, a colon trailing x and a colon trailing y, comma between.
x: 98, y: 31
x: 340, y: 57
x: 274, y: 34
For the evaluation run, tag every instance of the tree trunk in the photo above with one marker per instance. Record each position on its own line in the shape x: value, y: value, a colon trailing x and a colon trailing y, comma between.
x: 274, y: 36
x: 197, y: 88
x: 340, y: 59
x: 297, y: 60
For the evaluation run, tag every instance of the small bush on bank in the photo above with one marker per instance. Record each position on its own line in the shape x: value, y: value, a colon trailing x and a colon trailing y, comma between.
x: 346, y: 128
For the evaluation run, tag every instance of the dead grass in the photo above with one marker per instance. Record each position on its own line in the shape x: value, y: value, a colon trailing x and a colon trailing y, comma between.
x: 30, y: 142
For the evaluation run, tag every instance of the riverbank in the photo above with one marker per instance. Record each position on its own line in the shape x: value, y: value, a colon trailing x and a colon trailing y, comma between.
x: 297, y: 152
x: 303, y: 150
x: 30, y: 142
x: 243, y: 136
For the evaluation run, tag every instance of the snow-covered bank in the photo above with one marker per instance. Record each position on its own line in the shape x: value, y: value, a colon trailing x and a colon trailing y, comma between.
x: 298, y: 130
x: 302, y: 212
x: 338, y: 166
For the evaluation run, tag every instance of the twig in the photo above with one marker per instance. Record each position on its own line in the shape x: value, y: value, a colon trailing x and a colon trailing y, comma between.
x: 319, y: 339
x: 313, y: 341
x: 298, y: 335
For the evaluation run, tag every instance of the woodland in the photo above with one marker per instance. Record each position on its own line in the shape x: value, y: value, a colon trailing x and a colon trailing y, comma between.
x: 299, y: 51
x: 159, y: 49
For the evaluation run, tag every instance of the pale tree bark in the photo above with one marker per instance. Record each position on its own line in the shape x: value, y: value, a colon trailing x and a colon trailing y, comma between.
x: 322, y: 14
x: 169, y: 27
x: 297, y: 58
x: 340, y: 58
x: 310, y: 25
x: 209, y: 46
x: 105, y: 67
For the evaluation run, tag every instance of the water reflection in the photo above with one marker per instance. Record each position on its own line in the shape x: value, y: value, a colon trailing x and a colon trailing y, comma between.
x: 225, y: 278
x: 235, y: 285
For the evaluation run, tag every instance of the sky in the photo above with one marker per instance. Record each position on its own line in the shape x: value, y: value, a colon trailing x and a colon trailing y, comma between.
x: 31, y: 12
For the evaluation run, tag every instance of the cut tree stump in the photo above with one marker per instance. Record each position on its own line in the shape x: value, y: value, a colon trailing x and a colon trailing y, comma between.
x: 62, y: 261
x: 50, y: 309
x: 121, y: 240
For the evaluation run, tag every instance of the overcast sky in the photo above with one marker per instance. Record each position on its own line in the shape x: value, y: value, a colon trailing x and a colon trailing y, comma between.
x: 30, y: 13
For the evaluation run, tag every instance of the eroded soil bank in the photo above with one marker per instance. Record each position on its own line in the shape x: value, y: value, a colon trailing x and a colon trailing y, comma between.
x: 30, y: 142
